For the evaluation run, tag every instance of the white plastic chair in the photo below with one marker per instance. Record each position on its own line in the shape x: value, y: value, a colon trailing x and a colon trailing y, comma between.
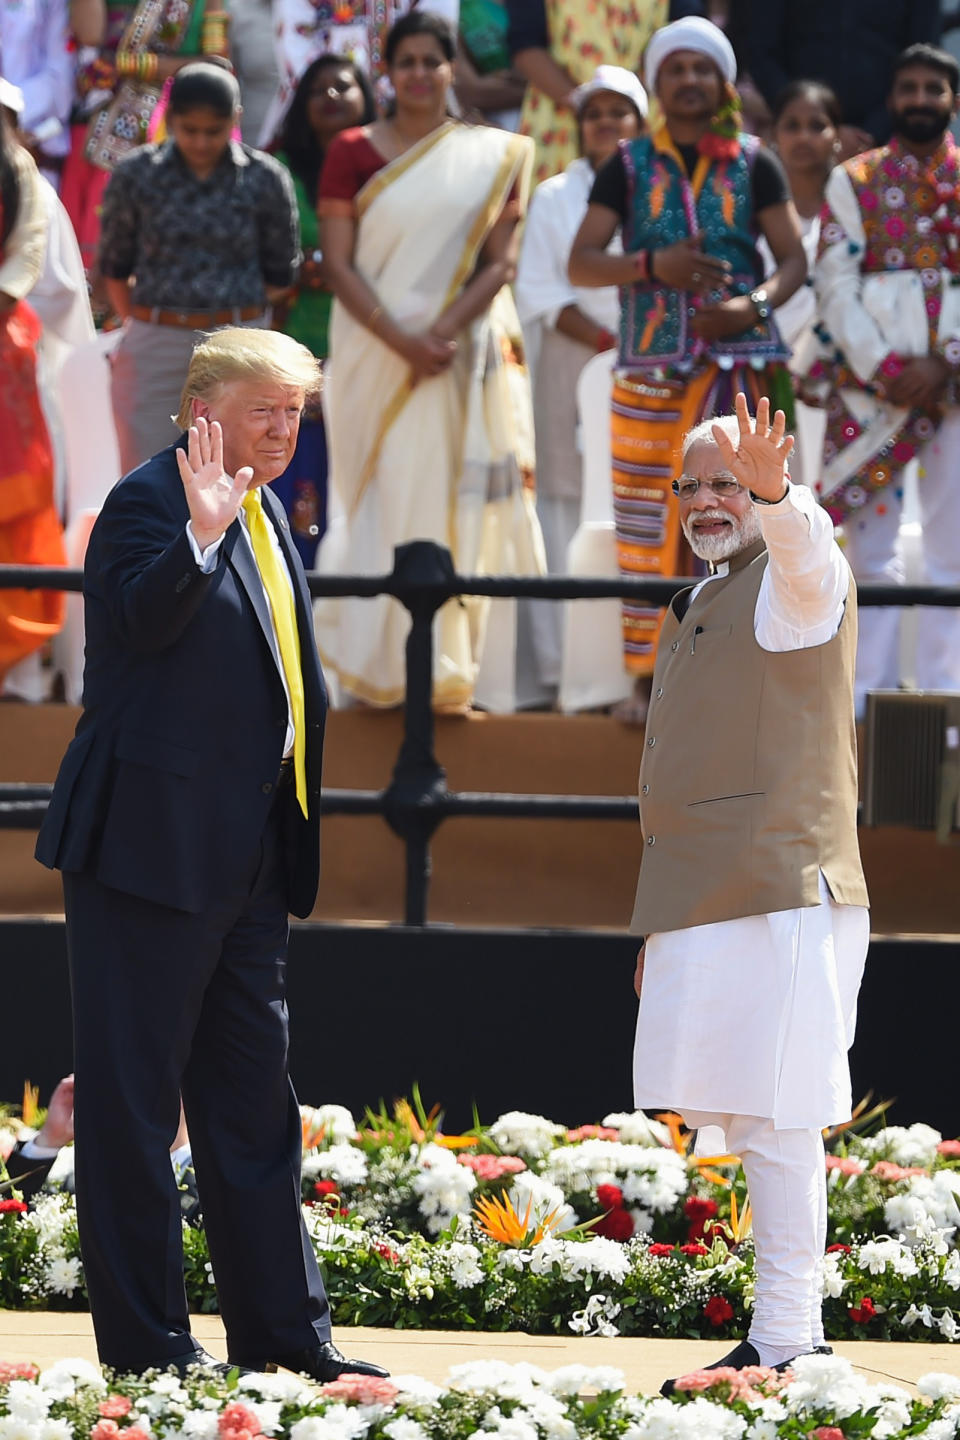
x: 592, y: 673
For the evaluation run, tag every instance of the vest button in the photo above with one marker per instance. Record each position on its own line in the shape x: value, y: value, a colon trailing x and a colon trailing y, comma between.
x: 659, y: 692
x: 675, y: 645
x: 651, y: 839
x: 645, y: 790
x: 652, y: 741
x: 266, y: 787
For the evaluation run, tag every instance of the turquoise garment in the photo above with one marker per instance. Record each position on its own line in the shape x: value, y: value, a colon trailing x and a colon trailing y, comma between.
x: 663, y: 208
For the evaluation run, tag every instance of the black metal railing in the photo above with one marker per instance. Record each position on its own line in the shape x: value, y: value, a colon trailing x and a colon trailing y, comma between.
x: 417, y: 799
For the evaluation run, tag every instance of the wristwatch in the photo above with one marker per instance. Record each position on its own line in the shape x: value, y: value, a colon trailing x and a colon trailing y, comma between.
x: 759, y: 301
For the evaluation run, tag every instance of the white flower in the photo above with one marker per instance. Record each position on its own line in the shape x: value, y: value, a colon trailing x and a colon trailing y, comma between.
x: 339, y: 1422
x: 650, y: 1177
x: 464, y: 1262
x: 636, y: 1128
x: 55, y: 1430
x: 831, y: 1278
x: 826, y: 1382
x: 495, y: 1377
x: 762, y: 1430
x: 699, y: 1419
x: 417, y: 1390
x: 923, y: 1314
x: 951, y: 1271
x: 947, y: 1325
x: 597, y: 1318
x: 875, y: 1255
x: 26, y: 1401
x: 914, y: 1146
x: 65, y: 1377
x: 403, y: 1428
x: 62, y: 1276
x: 200, y: 1425
x: 342, y: 1163
x: 939, y: 1386
x: 284, y: 1387
x: 443, y: 1188
x: 518, y: 1133
x: 572, y: 1379
x: 13, y: 1428
x: 267, y: 1413
x: 335, y: 1121
x: 543, y: 1197
x: 512, y: 1427
x: 893, y: 1414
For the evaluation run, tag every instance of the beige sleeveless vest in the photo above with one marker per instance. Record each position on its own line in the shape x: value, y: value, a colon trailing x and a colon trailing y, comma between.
x: 748, y: 785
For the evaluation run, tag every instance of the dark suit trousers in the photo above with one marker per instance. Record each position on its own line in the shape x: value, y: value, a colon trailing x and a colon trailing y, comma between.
x: 165, y: 1003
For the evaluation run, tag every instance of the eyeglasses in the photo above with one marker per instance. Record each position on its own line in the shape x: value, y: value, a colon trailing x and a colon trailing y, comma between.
x: 723, y: 485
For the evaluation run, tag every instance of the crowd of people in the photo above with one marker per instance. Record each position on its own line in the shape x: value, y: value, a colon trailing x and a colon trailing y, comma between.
x: 456, y: 207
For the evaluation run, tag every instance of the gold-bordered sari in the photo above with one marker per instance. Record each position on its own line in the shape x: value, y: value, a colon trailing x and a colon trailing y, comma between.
x: 443, y: 459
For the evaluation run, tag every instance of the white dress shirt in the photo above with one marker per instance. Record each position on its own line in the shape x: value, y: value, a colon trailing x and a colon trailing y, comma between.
x: 755, y: 1016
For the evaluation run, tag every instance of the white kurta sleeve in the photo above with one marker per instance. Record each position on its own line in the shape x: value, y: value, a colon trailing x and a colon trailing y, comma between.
x: 838, y: 280
x: 805, y: 585
x: 542, y: 288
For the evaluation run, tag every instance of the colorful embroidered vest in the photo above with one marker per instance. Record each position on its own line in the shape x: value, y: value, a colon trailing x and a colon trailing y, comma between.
x: 665, y: 205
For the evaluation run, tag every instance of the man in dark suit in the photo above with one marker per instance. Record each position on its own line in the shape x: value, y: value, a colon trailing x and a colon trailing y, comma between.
x: 185, y: 822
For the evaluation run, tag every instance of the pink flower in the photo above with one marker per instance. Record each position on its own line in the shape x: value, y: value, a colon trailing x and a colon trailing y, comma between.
x: 114, y: 1406
x: 236, y: 1422
x: 886, y: 1170
x: 135, y: 1432
x: 845, y: 1164
x: 827, y: 1432
x: 17, y: 1370
x: 895, y: 227
x: 868, y: 199
x: 492, y: 1167
x: 903, y: 452
x: 361, y: 1390
x: 593, y: 1132
x: 105, y: 1430
x: 949, y: 1147
x: 750, y: 1384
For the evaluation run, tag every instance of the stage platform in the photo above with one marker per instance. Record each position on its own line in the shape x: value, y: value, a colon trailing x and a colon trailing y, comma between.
x: 43, y: 1337
x: 486, y: 872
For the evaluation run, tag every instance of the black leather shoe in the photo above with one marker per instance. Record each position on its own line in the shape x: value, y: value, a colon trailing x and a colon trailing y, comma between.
x: 741, y: 1357
x: 322, y: 1363
x: 196, y: 1359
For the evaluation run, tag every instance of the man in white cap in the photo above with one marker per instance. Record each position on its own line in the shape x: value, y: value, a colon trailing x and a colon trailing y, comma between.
x: 695, y: 312
x: 563, y: 328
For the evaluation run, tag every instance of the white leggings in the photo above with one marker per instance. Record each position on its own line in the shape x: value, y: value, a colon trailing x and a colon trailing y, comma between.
x: 787, y: 1181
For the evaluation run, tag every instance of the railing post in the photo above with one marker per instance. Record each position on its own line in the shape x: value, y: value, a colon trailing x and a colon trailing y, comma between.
x: 418, y: 780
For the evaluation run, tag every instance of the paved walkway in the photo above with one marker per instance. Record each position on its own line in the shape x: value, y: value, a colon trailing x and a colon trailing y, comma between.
x: 43, y: 1337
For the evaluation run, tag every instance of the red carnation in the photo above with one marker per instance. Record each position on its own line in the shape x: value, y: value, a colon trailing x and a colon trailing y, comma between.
x: 836, y: 1249
x: 12, y: 1207
x: 610, y: 1197
x: 864, y: 1312
x: 699, y: 1207
x: 615, y: 1226
x: 694, y: 1250
x: 326, y: 1187
x: 386, y: 1252
x: 658, y: 1248
x: 718, y: 1310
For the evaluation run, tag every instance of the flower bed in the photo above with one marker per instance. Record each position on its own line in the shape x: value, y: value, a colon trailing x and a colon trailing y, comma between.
x: 605, y: 1230
x: 822, y: 1398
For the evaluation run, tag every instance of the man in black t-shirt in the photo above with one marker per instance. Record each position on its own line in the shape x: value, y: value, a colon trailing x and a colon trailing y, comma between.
x: 695, y: 313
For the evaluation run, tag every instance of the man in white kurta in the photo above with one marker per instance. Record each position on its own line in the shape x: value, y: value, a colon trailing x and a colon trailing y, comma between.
x: 745, y: 1022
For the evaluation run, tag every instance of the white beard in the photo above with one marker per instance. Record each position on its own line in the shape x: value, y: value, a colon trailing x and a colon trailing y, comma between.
x: 738, y: 536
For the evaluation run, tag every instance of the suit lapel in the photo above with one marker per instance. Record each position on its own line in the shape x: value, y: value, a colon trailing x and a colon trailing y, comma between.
x: 240, y: 557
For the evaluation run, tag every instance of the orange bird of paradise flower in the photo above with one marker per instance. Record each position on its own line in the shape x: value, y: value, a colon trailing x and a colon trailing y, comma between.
x: 499, y: 1221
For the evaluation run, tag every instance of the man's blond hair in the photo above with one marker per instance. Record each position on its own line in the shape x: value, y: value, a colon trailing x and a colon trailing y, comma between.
x: 238, y: 353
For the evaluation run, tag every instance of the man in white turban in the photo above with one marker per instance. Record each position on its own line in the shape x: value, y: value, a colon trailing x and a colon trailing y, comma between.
x: 696, y: 320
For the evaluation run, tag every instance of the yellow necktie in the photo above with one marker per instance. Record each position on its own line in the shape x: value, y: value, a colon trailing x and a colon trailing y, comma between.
x: 280, y: 595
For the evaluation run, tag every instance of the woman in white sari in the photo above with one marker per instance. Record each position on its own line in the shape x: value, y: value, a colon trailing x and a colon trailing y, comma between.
x: 429, y: 417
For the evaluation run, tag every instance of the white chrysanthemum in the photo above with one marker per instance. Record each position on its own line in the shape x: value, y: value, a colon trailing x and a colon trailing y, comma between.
x: 12, y: 1427
x: 654, y: 1179
x: 289, y: 1389
x: 200, y: 1425
x: 62, y: 1276
x: 699, y: 1419
x: 636, y: 1128
x: 496, y: 1377
x: 939, y: 1386
x: 509, y: 1427
x: 51, y: 1216
x: 338, y: 1422
x: 442, y: 1187
x: 403, y: 1428
x: 65, y: 1377
x: 762, y: 1430
x: 268, y: 1413
x: 543, y: 1197
x: 893, y: 1414
x: 54, y: 1429
x: 343, y: 1163
x: 951, y: 1271
x: 597, y: 1256
x: 416, y: 1390
x: 914, y: 1146
x: 832, y: 1280
x: 335, y: 1121
x: 26, y: 1401
x: 826, y: 1382
x: 572, y: 1379
x: 518, y: 1133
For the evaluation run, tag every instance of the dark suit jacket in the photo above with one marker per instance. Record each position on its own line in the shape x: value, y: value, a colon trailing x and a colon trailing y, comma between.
x: 28, y: 1173
x: 165, y: 788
